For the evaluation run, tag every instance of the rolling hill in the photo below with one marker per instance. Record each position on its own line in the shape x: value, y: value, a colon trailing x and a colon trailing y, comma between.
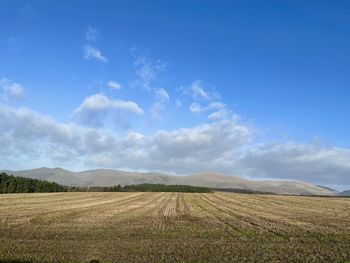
x: 109, y: 177
x: 345, y: 193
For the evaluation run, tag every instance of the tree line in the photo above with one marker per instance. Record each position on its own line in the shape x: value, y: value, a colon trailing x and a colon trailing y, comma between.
x: 16, y: 184
x: 166, y: 188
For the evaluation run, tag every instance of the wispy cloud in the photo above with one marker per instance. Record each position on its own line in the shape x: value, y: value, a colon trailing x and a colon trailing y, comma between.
x: 196, y: 108
x: 218, y: 115
x: 199, y: 93
x: 114, y: 84
x: 147, y: 71
x: 11, y: 90
x: 162, y: 98
x: 91, y: 34
x: 204, y: 101
x: 93, y: 53
x: 216, y: 110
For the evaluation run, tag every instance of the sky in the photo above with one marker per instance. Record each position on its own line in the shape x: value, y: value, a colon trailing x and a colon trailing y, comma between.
x: 258, y: 89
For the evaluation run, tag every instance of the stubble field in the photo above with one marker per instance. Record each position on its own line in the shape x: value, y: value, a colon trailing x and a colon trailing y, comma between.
x: 173, y: 227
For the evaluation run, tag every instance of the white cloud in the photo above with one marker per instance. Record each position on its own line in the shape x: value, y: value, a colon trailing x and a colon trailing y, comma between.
x: 93, y: 53
x: 95, y: 102
x: 204, y: 142
x: 198, y: 90
x: 216, y: 106
x: 30, y: 135
x: 198, y: 93
x: 224, y: 146
x: 95, y: 107
x: 98, y: 102
x: 202, y: 148
x: 11, y: 90
x: 217, y: 115
x: 196, y: 108
x: 162, y: 98
x: 217, y: 110
x: 206, y: 147
x: 91, y: 34
x: 147, y: 71
x: 161, y: 94
x: 114, y: 84
x: 307, y: 162
x: 220, y: 111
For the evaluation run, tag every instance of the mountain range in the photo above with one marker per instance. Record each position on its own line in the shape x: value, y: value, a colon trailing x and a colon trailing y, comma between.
x: 109, y: 177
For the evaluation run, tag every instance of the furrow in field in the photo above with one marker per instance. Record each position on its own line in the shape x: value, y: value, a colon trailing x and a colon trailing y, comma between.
x: 251, y: 209
x: 169, y: 214
x: 118, y: 217
x: 258, y: 209
x: 272, y: 218
x: 249, y: 222
x: 260, y: 206
x: 45, y: 206
x: 284, y: 217
x: 286, y: 203
x: 66, y: 212
x: 165, y: 212
x: 47, y: 203
x: 93, y: 213
x: 190, y: 220
x: 134, y: 209
x: 186, y: 208
x: 147, y: 213
x: 178, y: 205
x: 231, y: 227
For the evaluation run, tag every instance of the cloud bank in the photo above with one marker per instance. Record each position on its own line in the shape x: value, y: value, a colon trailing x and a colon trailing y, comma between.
x: 221, y: 146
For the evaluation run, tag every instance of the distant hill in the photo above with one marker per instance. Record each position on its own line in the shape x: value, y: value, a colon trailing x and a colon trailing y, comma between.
x: 275, y: 186
x: 109, y: 177
x: 328, y: 188
x: 58, y: 175
x: 345, y: 193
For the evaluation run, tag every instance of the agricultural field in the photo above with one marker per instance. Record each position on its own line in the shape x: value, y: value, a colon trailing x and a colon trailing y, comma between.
x: 173, y: 227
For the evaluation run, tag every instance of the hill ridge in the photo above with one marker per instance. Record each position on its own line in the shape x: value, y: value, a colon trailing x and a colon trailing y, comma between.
x: 110, y: 177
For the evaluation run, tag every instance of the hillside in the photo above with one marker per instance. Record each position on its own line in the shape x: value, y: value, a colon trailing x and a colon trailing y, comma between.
x: 344, y: 193
x: 109, y: 177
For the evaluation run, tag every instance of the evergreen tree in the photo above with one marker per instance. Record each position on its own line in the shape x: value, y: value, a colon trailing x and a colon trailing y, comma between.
x: 16, y: 184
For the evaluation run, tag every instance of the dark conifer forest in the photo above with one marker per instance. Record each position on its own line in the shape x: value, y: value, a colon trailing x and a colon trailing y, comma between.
x: 16, y: 184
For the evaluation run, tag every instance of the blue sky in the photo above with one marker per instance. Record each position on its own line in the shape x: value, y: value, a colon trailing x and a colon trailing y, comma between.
x: 258, y: 89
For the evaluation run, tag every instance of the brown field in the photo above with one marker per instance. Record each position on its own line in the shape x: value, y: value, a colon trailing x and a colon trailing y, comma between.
x: 173, y: 227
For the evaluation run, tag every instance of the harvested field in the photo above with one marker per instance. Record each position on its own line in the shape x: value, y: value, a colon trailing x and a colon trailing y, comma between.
x: 173, y: 227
